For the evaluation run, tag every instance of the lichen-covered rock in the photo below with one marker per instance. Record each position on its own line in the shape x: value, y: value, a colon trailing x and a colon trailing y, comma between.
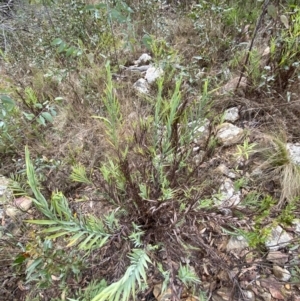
x: 5, y: 193
x: 228, y: 196
x: 231, y: 114
x: 200, y: 130
x: 144, y: 58
x: 278, y: 239
x: 229, y: 134
x: 141, y: 86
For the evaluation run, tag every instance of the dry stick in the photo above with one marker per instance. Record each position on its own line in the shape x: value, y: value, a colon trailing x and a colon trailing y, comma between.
x: 252, y: 42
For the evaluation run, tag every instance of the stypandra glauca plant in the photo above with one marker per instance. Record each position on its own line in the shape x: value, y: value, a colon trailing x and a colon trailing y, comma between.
x: 152, y: 173
x: 147, y: 176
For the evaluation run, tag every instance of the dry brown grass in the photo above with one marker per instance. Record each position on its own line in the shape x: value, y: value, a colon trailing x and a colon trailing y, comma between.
x: 278, y: 164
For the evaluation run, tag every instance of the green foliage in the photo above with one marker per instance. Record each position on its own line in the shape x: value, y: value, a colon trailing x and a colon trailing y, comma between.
x: 93, y: 289
x: 287, y: 214
x: 261, y: 206
x: 86, y: 232
x: 46, y: 263
x: 63, y: 47
x: 79, y: 175
x: 257, y: 237
x: 166, y: 277
x: 7, y: 126
x: 114, y: 117
x: 126, y: 286
x: 187, y: 276
x: 42, y: 112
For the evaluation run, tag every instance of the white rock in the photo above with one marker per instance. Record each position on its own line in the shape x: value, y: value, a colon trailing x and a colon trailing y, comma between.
x: 231, y: 114
x: 5, y: 193
x: 248, y: 295
x: 229, y: 134
x: 237, y: 243
x: 296, y: 222
x: 144, y: 58
x: 199, y: 157
x: 141, y: 86
x: 281, y: 274
x: 228, y: 197
x: 294, y: 152
x: 278, y: 239
x: 153, y: 73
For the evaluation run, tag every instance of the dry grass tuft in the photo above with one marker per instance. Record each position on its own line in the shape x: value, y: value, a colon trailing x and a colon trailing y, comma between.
x: 279, y: 164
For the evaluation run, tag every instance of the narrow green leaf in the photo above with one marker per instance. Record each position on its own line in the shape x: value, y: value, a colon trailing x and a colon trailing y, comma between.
x: 53, y: 236
x: 52, y: 229
x: 33, y: 266
x: 41, y: 222
x: 83, y: 244
x: 75, y: 238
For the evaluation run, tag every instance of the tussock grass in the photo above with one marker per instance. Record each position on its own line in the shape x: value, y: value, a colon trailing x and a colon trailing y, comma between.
x: 279, y: 164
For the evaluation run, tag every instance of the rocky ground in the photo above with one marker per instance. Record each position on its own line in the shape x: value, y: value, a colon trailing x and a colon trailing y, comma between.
x: 240, y: 233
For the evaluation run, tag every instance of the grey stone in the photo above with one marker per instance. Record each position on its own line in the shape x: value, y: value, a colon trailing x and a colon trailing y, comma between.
x: 144, y: 58
x: 281, y: 274
x: 278, y: 239
x: 228, y: 197
x: 5, y: 193
x: 141, y: 86
x: 248, y: 295
x: 200, y: 130
x: 294, y: 152
x: 296, y: 222
x: 229, y: 134
x: 153, y: 73
x: 231, y: 114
